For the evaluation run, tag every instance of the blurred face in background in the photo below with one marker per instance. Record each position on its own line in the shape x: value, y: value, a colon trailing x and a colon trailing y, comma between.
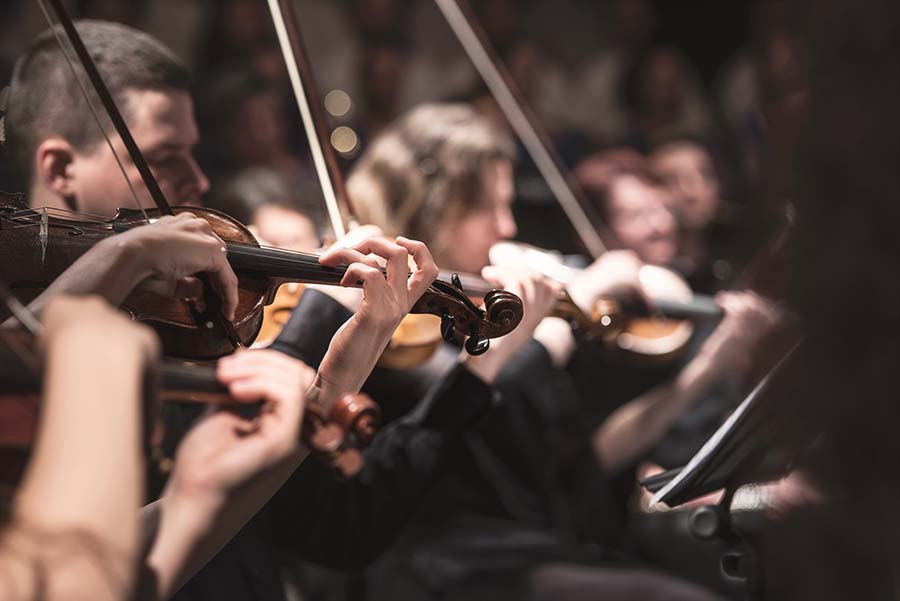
x: 687, y: 170
x: 282, y: 227
x: 465, y: 242
x: 639, y: 219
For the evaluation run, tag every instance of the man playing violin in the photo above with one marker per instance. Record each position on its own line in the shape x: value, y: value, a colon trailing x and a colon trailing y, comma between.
x: 67, y: 166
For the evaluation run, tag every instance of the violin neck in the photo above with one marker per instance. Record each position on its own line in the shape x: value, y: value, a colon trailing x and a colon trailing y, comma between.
x: 473, y: 285
x: 191, y: 383
x: 701, y: 307
x: 283, y: 265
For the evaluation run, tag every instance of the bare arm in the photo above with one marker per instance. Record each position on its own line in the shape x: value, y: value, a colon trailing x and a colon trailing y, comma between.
x: 226, y: 468
x: 161, y: 257
x: 637, y: 426
x: 729, y: 352
x: 74, y: 516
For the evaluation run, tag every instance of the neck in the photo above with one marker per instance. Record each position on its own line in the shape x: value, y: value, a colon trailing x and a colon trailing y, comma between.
x: 41, y: 196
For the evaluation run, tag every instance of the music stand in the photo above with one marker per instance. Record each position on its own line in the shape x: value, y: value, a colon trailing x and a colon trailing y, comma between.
x: 759, y: 442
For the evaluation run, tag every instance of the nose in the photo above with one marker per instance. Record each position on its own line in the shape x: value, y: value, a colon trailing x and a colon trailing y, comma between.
x: 663, y: 221
x: 505, y: 223
x: 199, y: 183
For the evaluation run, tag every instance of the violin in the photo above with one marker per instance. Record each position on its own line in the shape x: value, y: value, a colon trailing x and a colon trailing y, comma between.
x: 336, y: 437
x: 657, y: 333
x: 39, y: 245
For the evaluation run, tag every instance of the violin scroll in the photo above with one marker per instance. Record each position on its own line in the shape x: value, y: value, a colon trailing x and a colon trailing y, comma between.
x: 339, y: 435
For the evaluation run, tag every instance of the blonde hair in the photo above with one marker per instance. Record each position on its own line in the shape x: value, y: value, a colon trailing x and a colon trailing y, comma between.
x: 425, y: 169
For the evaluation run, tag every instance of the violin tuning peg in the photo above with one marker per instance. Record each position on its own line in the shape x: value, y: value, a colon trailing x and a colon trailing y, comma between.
x: 448, y: 328
x: 457, y: 283
x: 477, y: 346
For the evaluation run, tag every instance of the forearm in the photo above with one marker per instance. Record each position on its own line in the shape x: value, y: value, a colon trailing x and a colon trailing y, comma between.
x: 190, y: 532
x: 637, y: 426
x: 555, y: 335
x: 79, y: 496
x: 110, y: 269
x: 94, y: 467
x: 347, y: 523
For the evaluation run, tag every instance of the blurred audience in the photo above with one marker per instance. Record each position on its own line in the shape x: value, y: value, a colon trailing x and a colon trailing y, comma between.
x: 278, y: 211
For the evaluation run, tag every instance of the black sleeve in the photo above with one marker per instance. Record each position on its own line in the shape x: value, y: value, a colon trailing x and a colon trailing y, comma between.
x: 312, y: 325
x: 346, y: 524
x: 552, y: 443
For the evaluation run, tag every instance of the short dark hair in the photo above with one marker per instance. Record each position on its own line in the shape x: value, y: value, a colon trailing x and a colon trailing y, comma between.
x: 45, y: 99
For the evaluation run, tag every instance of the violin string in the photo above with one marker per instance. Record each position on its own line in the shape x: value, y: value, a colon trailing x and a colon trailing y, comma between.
x: 62, y: 213
x: 87, y: 98
x: 54, y: 211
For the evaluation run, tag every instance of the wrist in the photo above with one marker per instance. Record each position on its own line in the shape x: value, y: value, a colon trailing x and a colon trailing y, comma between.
x: 555, y: 335
x: 191, y: 513
x: 129, y: 256
x: 697, y: 376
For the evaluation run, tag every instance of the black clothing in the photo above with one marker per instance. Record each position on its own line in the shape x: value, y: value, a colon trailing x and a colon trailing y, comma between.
x: 343, y: 523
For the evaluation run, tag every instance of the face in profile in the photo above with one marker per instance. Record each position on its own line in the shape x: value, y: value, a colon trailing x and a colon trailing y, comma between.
x: 640, y: 220
x: 687, y: 170
x: 162, y: 123
x: 464, y: 243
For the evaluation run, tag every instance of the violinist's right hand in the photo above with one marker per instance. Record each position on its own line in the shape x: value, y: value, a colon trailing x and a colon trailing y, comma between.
x: 173, y: 248
x: 161, y: 257
x: 539, y: 295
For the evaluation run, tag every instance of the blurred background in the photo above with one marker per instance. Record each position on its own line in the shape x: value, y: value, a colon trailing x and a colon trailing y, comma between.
x: 600, y: 74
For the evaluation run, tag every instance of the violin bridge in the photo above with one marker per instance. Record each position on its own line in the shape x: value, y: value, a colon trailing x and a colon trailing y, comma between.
x: 43, y: 234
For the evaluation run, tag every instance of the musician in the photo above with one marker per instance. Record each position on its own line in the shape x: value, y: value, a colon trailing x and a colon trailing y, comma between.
x: 67, y: 167
x: 709, y: 243
x: 279, y: 214
x: 533, y: 480
x: 74, y: 532
x: 633, y: 204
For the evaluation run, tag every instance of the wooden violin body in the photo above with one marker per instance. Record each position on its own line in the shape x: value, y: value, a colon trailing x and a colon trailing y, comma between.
x: 38, y: 247
x: 336, y: 436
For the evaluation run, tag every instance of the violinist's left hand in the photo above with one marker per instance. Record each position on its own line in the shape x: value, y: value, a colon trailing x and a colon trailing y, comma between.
x: 616, y: 274
x: 351, y: 298
x: 733, y: 349
x: 224, y: 450
x: 227, y: 467
x: 387, y: 298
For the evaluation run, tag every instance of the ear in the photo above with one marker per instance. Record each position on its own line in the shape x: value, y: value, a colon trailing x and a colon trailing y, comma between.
x: 53, y: 167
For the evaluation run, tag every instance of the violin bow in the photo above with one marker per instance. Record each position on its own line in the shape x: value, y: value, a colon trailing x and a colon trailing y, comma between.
x: 537, y: 143
x: 210, y: 319
x: 306, y: 93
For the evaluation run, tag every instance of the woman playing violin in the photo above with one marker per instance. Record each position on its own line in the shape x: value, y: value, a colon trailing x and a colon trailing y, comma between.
x: 445, y: 173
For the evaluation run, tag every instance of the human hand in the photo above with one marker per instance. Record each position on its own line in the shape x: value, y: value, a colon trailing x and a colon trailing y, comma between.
x: 387, y: 297
x: 224, y: 450
x: 734, y: 345
x: 351, y: 298
x: 539, y: 295
x: 174, y: 248
x: 615, y: 274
